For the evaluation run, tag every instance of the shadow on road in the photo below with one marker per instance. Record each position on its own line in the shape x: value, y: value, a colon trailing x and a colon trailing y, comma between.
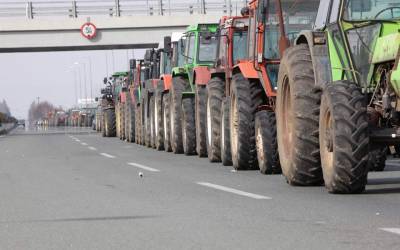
x: 384, y: 181
x: 394, y: 190
x: 376, y: 185
x: 85, y: 219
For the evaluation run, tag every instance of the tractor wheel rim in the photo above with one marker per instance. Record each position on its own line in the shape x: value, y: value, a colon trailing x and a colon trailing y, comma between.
x: 223, y: 130
x: 172, y: 116
x: 234, y: 126
x: 209, y: 133
x: 327, y: 142
x: 155, y: 118
x: 287, y: 127
x: 260, y: 147
x: 165, y: 124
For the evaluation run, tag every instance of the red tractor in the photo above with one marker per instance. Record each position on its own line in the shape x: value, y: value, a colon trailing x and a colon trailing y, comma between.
x: 232, y: 47
x: 250, y: 95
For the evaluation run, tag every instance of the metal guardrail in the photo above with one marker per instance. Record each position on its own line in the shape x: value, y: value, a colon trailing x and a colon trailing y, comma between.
x: 116, y: 8
x: 7, y: 127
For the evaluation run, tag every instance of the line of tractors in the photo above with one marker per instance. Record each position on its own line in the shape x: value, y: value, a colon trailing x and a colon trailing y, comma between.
x: 309, y: 89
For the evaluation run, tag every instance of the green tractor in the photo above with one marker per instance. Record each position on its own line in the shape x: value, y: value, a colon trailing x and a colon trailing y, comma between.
x: 338, y: 100
x: 187, y: 95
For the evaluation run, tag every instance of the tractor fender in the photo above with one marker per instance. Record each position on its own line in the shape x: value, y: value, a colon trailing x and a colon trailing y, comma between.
x: 217, y: 72
x: 317, y: 42
x: 167, y: 81
x: 247, y: 69
x: 202, y: 75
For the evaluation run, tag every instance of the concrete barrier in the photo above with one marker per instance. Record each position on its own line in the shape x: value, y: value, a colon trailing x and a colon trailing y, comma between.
x: 7, y: 127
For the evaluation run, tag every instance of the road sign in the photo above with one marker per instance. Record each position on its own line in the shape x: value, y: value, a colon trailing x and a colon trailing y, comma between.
x: 89, y: 30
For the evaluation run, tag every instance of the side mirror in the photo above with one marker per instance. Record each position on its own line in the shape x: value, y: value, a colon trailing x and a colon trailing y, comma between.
x: 245, y: 11
x: 103, y: 91
x: 96, y: 99
x: 132, y: 64
x: 167, y: 44
x: 105, y: 80
x: 361, y: 5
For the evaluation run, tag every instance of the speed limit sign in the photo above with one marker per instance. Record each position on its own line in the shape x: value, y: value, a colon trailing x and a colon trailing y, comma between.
x: 88, y: 30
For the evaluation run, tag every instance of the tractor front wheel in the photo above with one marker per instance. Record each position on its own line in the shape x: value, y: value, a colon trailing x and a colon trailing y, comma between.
x: 344, y: 138
x: 226, y: 155
x: 188, y: 127
x: 166, y: 122
x: 266, y: 143
x: 158, y: 117
x: 200, y: 108
x: 215, y: 92
x: 109, y: 123
x: 178, y: 86
x: 245, y: 98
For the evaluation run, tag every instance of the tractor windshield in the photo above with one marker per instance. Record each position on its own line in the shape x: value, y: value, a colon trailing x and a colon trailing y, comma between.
x: 207, y: 48
x: 239, y: 45
x: 364, y: 10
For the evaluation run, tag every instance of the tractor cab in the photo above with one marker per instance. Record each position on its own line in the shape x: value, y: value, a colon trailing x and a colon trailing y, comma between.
x: 274, y: 25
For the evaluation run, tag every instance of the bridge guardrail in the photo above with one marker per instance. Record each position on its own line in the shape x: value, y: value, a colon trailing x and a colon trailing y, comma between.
x: 7, y: 127
x: 116, y: 8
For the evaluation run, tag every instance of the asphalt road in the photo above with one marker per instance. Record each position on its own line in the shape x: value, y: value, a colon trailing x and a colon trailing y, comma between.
x: 71, y: 189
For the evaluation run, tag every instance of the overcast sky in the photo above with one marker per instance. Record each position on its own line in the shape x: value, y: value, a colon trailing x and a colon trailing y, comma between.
x: 50, y: 76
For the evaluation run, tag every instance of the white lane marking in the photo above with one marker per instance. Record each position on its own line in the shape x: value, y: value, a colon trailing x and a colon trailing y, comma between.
x: 234, y: 191
x: 391, y: 230
x: 77, y: 140
x: 143, y: 167
x: 84, y: 144
x: 107, y: 155
x: 92, y: 148
x: 1, y: 136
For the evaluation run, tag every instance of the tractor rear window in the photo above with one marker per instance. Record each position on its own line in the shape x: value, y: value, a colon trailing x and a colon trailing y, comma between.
x: 360, y: 10
x: 296, y: 16
x: 208, y: 49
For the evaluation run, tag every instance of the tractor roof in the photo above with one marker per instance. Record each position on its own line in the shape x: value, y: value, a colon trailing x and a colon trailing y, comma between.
x: 202, y: 27
x: 118, y: 74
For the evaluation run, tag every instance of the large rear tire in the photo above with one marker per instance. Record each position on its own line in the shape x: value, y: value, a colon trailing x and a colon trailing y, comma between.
x: 178, y: 86
x: 297, y: 111
x: 188, y: 126
x: 200, y: 108
x: 226, y: 155
x: 266, y: 143
x: 215, y: 92
x: 344, y: 138
x: 167, y: 122
x: 245, y: 98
